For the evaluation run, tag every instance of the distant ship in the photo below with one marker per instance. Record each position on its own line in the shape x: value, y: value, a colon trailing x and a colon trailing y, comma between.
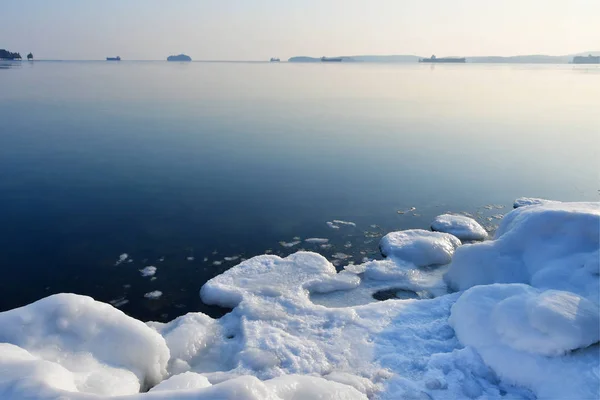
x: 117, y: 58
x: 434, y: 59
x: 274, y: 59
x: 590, y: 59
x: 331, y: 59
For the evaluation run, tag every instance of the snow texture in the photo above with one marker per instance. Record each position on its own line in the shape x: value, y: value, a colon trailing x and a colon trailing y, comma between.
x: 419, y: 247
x: 549, y: 246
x: 462, y: 227
x: 300, y: 330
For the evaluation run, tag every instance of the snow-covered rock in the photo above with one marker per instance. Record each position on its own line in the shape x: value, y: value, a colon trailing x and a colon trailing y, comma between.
x: 92, y: 346
x: 462, y: 227
x: 419, y: 247
x: 525, y: 335
x: 551, y: 246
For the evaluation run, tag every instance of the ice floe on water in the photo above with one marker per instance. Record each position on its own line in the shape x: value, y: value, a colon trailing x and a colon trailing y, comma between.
x: 155, y: 294
x: 332, y: 225
x: 289, y: 244
x: 316, y: 240
x: 524, y: 325
x: 122, y: 258
x: 148, y: 271
x: 462, y: 227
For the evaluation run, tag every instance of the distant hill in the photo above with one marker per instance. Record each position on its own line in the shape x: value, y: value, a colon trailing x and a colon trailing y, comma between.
x: 525, y: 59
x: 7, y: 55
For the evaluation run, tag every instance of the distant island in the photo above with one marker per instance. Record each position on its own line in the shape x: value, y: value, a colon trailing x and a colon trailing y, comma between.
x: 181, y: 57
x: 319, y: 59
x: 523, y: 59
x: 7, y: 55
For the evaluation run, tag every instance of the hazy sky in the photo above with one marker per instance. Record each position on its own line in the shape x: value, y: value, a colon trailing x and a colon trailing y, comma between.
x: 260, y: 29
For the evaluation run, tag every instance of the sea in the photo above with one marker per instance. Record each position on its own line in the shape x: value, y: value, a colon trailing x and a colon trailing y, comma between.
x: 107, y: 168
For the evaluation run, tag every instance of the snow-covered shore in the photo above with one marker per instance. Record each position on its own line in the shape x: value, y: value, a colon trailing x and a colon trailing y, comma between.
x: 522, y: 324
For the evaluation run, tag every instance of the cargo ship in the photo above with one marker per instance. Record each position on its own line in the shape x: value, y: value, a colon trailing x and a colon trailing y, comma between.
x: 117, y: 58
x: 590, y: 59
x: 331, y: 59
x: 274, y: 59
x: 434, y: 59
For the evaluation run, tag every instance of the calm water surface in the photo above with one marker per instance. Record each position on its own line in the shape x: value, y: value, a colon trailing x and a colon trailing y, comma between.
x: 167, y: 161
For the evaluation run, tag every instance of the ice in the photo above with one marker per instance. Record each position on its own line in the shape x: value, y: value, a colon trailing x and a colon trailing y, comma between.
x: 462, y: 227
x: 552, y: 245
x: 148, y: 271
x: 121, y: 301
x: 183, y: 381
x: 340, y: 222
x: 525, y: 335
x: 529, y: 201
x: 290, y: 244
x: 383, y: 329
x: 316, y: 240
x: 341, y: 256
x: 156, y: 294
x: 332, y: 225
x: 122, y: 258
x: 217, y: 263
x: 76, y: 344
x: 232, y: 258
x: 419, y: 247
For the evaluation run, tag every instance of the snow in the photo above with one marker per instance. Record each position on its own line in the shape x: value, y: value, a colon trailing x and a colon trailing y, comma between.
x: 155, y: 294
x: 298, y: 329
x: 525, y: 335
x: 462, y: 227
x: 87, y: 346
x: 549, y: 246
x: 148, y: 271
x: 122, y: 258
x: 290, y: 244
x: 419, y: 247
x: 529, y: 201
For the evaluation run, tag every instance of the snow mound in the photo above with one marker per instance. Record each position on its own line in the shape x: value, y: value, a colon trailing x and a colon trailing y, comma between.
x: 550, y: 246
x: 462, y: 227
x: 90, y: 346
x: 525, y: 335
x: 530, y: 201
x: 267, y: 275
x: 419, y: 247
x: 183, y: 381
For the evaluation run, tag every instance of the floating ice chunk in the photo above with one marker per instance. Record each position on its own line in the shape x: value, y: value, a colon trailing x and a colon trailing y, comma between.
x: 148, y: 271
x: 155, y: 294
x: 122, y: 258
x: 530, y: 201
x: 190, y: 258
x: 341, y: 256
x: 332, y: 225
x: 316, y: 240
x: 121, y: 301
x: 289, y: 244
x: 104, y: 351
x: 462, y: 227
x: 326, y: 246
x: 217, y: 262
x: 348, y: 245
x: 184, y: 381
x: 552, y: 246
x: 340, y: 222
x: 232, y: 258
x: 522, y: 334
x: 205, y: 259
x: 419, y: 247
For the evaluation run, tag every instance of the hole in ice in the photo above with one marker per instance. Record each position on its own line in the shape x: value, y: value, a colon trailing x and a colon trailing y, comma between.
x: 395, y: 293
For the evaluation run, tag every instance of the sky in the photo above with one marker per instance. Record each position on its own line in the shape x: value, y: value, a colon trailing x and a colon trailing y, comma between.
x: 260, y: 29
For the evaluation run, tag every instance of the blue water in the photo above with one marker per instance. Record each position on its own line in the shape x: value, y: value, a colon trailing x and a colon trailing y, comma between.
x: 172, y: 160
